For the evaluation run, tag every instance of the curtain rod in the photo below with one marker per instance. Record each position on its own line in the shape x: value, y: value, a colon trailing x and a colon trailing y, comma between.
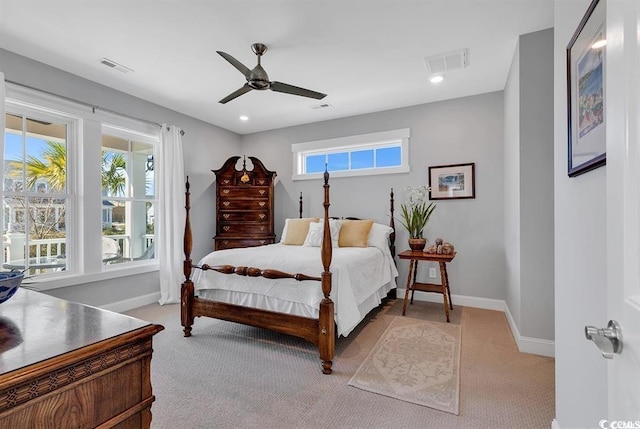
x: 92, y: 106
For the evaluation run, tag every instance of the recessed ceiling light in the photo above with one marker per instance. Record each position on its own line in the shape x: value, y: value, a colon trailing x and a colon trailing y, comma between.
x: 244, y: 118
x: 599, y: 44
x: 436, y: 79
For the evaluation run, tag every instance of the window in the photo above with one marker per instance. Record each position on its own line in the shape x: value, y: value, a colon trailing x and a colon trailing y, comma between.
x: 378, y: 153
x: 78, y: 191
x: 36, y: 196
x: 128, y: 195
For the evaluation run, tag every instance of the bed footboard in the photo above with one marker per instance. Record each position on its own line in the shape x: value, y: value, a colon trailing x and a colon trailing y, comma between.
x: 319, y: 331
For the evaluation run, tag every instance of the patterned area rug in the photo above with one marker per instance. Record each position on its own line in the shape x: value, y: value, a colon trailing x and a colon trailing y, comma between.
x: 415, y: 361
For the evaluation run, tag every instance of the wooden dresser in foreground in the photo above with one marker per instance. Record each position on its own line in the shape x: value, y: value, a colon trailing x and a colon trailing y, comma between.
x: 244, y: 205
x: 68, y: 365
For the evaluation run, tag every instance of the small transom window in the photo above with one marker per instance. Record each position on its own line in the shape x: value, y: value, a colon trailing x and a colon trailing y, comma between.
x: 367, y: 154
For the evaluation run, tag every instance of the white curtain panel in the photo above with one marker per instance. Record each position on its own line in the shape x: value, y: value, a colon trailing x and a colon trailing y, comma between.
x: 2, y: 127
x: 170, y: 178
x: 2, y: 97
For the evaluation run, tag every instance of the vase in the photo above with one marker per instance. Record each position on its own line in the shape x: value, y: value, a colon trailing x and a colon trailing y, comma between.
x: 417, y: 244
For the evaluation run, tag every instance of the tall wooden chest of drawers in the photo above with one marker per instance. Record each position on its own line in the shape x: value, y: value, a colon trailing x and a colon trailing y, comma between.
x: 244, y: 205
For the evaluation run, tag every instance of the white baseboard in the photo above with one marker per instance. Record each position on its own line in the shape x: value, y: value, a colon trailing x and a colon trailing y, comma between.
x: 555, y: 424
x: 131, y: 303
x: 535, y: 346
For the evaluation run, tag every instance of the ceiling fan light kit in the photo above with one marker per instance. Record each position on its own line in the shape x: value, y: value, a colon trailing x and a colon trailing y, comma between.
x: 258, y: 79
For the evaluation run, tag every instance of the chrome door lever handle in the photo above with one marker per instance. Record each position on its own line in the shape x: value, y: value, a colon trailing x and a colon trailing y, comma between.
x: 608, y: 340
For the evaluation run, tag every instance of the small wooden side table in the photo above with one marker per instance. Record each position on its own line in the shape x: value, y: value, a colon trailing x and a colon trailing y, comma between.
x: 412, y: 285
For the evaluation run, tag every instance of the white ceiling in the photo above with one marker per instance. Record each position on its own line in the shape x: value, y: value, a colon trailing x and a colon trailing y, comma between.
x: 367, y: 55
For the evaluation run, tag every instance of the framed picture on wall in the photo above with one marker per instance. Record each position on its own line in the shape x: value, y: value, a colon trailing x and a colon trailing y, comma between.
x: 456, y: 181
x: 586, y: 92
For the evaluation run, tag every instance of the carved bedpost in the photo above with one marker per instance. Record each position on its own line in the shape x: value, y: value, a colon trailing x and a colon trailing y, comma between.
x: 186, y: 293
x: 300, y: 206
x: 392, y: 224
x: 326, y: 342
x: 393, y: 293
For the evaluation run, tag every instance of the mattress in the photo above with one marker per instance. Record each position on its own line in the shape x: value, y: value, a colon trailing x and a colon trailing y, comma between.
x: 361, y: 277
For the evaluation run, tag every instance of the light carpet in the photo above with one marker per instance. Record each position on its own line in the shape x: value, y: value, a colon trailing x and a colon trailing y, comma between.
x: 415, y: 361
x: 233, y: 376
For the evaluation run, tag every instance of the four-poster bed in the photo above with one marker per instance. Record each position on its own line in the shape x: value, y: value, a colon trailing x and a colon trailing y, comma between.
x: 355, y: 292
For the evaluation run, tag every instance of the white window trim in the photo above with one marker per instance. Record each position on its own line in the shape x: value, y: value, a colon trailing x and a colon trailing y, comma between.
x: 80, y: 115
x: 371, y: 140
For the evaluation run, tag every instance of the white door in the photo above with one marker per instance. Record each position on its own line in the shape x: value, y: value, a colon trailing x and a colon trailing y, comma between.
x: 623, y: 203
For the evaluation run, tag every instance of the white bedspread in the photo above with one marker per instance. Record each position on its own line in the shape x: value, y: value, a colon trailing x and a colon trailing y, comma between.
x: 360, y: 278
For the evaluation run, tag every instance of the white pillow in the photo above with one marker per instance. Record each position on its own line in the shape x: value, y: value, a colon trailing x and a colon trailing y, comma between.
x: 286, y: 226
x: 316, y: 231
x: 379, y: 236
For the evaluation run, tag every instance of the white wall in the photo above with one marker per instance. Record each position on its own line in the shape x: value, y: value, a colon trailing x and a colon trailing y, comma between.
x: 206, y: 147
x: 462, y: 130
x: 580, y: 257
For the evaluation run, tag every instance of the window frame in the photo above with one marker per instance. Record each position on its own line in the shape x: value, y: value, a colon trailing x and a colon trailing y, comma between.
x: 392, y: 138
x: 83, y: 188
x: 28, y: 106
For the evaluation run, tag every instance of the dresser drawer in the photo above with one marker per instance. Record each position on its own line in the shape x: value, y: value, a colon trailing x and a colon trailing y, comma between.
x: 228, y: 204
x: 230, y: 180
x: 248, y: 192
x: 232, y: 243
x: 243, y: 229
x: 246, y: 216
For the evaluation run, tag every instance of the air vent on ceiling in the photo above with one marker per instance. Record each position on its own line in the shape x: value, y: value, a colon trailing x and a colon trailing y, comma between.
x: 112, y: 64
x: 321, y: 106
x: 442, y: 63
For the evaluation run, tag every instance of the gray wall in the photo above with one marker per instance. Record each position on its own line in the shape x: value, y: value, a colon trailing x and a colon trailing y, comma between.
x: 462, y: 130
x: 536, y: 185
x: 580, y: 257
x: 512, y: 188
x: 529, y: 186
x: 205, y: 147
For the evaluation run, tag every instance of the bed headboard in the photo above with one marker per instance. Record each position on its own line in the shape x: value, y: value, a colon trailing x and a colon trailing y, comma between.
x: 392, y: 224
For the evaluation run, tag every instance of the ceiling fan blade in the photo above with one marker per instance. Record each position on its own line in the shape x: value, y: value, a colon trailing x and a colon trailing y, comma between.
x: 237, y: 93
x: 295, y: 90
x: 237, y: 64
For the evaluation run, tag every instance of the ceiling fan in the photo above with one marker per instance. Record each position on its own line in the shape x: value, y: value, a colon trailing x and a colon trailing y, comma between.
x: 258, y: 78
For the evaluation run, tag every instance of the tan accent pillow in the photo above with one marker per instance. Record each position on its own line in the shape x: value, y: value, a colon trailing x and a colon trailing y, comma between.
x: 297, y: 230
x: 354, y: 233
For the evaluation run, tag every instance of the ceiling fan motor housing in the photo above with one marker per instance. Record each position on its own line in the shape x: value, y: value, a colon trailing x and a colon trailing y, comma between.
x: 258, y: 78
